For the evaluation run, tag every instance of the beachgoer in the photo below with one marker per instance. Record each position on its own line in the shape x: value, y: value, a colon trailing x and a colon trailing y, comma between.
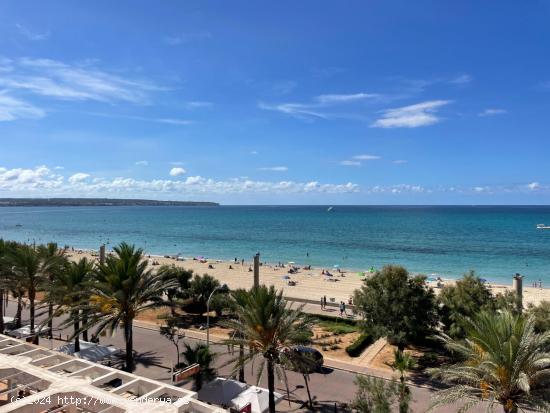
x: 324, y: 301
x: 230, y: 267
x: 342, y: 308
x: 235, y: 260
x: 322, y: 304
x: 242, y: 261
x: 249, y: 269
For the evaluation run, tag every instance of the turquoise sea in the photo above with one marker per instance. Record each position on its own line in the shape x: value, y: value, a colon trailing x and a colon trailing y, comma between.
x: 495, y: 241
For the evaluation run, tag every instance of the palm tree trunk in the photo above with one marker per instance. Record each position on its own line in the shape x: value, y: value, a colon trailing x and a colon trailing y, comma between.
x: 308, y: 393
x: 31, y: 311
x: 19, y: 311
x: 50, y: 320
x: 84, y: 323
x: 76, y: 326
x: 1, y: 312
x: 271, y: 385
x: 129, y: 345
x: 241, y: 361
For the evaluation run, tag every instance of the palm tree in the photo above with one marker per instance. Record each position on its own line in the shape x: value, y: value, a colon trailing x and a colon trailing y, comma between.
x: 201, y: 355
x: 70, y: 289
x: 268, y: 327
x: 4, y: 274
x: 124, y: 287
x: 53, y: 261
x: 403, y: 362
x: 503, y: 361
x: 183, y: 278
x: 26, y: 269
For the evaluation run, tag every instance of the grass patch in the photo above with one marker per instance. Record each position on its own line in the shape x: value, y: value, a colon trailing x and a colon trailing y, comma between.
x: 337, y: 327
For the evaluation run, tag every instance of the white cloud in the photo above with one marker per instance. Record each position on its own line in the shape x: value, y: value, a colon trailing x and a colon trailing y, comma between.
x: 59, y: 80
x: 318, y: 107
x: 12, y: 109
x: 35, y: 36
x: 177, y: 171
x: 533, y: 186
x: 274, y: 168
x: 174, y: 121
x: 350, y: 163
x: 142, y: 163
x: 366, y: 157
x: 78, y: 177
x: 338, y: 98
x: 59, y: 168
x: 198, y: 104
x: 492, y: 112
x: 253, y: 152
x: 42, y: 181
x: 462, y: 79
x: 399, y: 161
x: 413, y: 116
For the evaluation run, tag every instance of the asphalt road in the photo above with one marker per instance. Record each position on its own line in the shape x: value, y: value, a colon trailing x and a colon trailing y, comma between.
x: 155, y: 354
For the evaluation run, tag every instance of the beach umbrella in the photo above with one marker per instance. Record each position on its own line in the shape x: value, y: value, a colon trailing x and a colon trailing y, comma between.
x: 221, y: 391
x: 291, y: 262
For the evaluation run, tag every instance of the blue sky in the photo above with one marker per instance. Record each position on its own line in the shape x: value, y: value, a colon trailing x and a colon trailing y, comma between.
x: 359, y: 102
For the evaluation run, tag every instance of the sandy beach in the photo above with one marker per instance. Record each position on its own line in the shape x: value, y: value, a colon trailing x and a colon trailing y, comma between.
x: 310, y: 284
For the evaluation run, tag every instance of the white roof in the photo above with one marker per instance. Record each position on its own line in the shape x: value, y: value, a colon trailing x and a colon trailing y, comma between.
x: 257, y: 397
x: 37, y: 375
x: 89, y: 351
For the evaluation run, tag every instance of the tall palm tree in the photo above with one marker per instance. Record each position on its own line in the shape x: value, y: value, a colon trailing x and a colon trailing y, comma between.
x: 403, y: 362
x: 124, y: 287
x: 4, y: 275
x: 53, y: 261
x: 201, y: 355
x: 268, y: 327
x: 26, y: 269
x: 503, y: 361
x: 69, y: 290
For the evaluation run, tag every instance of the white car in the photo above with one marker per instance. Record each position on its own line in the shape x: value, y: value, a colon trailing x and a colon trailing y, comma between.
x: 25, y: 331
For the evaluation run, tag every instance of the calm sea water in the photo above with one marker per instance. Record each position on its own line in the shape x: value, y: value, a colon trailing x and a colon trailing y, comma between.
x: 494, y: 241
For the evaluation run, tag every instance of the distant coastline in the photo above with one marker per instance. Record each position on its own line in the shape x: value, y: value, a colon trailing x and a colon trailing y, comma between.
x: 57, y: 202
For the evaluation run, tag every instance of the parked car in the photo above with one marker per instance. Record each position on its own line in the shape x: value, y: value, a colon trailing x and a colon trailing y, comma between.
x: 305, y: 359
x: 25, y: 332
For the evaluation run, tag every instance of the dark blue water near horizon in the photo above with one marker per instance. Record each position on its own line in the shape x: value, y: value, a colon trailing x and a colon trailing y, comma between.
x: 496, y: 241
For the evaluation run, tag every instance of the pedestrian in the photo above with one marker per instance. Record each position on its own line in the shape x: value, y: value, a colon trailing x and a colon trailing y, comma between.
x: 242, y: 261
x: 324, y: 301
x: 322, y: 304
x: 342, y: 307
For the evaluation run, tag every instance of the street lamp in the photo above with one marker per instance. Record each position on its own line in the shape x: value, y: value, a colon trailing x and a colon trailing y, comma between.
x: 220, y: 287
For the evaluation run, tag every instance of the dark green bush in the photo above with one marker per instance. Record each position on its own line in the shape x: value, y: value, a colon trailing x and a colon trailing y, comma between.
x: 357, y: 347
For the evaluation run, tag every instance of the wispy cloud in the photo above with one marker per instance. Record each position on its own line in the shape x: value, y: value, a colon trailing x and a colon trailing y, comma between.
x: 319, y: 105
x: 345, y: 98
x: 274, y: 168
x: 350, y: 163
x: 492, y: 112
x: 366, y: 157
x: 12, y: 109
x: 413, y: 116
x: 171, y: 121
x: 60, y: 80
x: 78, y: 177
x: 142, y: 163
x: 182, y: 38
x: 198, y: 104
x: 177, y: 171
x: 461, y: 79
x: 399, y: 161
x: 31, y: 35
x: 533, y: 186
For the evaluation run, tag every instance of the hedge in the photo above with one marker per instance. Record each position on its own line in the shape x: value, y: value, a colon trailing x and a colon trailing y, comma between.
x: 356, y: 348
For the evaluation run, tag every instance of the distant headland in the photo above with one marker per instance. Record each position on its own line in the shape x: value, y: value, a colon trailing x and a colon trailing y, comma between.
x: 56, y: 202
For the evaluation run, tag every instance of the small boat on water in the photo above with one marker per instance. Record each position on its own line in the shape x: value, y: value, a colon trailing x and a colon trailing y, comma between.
x: 543, y: 226
x: 330, y: 209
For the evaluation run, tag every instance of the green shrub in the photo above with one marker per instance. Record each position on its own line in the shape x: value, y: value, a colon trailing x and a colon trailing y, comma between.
x: 338, y: 328
x: 357, y: 347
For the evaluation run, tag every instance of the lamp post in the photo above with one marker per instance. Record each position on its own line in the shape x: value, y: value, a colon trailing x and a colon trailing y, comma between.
x: 220, y: 287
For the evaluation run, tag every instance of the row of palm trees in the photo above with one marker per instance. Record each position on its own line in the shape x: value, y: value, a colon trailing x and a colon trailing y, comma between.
x: 106, y: 296
x: 103, y: 296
